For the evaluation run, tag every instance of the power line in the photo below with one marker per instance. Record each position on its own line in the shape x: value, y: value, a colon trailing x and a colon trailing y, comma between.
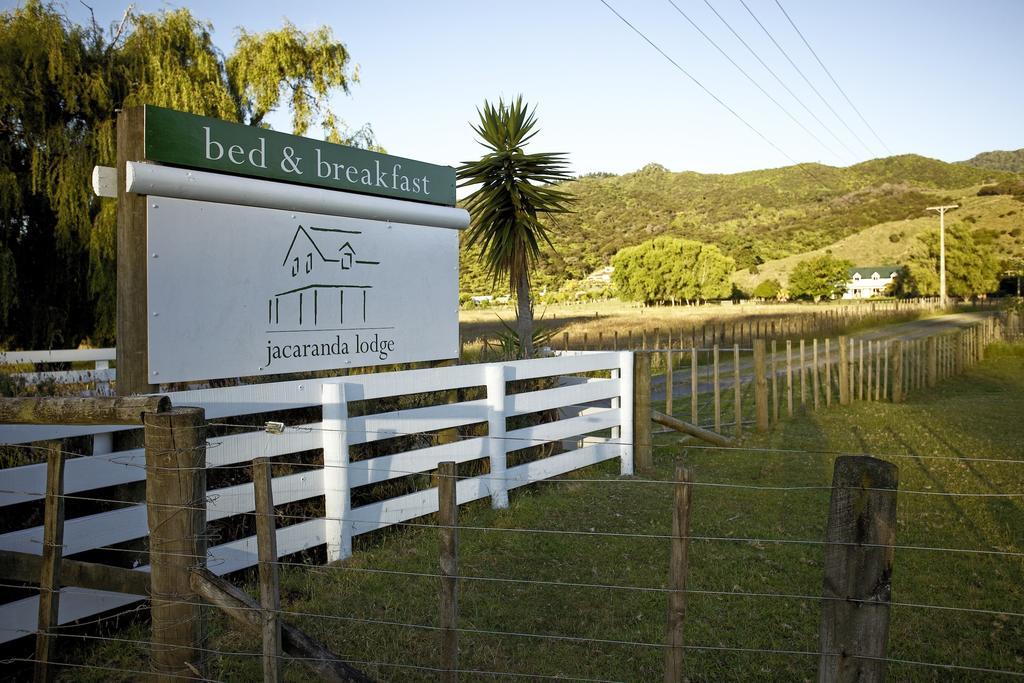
x: 751, y: 79
x: 715, y: 97
x: 806, y: 80
x: 780, y: 81
x: 834, y: 82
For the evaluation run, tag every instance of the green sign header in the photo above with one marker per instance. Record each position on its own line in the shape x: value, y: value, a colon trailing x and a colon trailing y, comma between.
x: 181, y: 139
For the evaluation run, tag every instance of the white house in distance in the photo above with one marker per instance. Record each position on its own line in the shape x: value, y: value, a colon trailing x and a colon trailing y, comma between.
x: 870, y: 281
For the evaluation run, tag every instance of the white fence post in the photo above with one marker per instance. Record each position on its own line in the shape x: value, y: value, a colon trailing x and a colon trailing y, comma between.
x: 626, y: 410
x: 103, y: 386
x: 495, y: 377
x: 337, y: 496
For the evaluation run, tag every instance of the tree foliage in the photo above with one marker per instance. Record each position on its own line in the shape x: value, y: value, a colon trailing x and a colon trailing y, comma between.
x: 819, y: 277
x: 61, y: 85
x: 972, y: 266
x: 515, y: 190
x: 768, y: 289
x: 668, y: 269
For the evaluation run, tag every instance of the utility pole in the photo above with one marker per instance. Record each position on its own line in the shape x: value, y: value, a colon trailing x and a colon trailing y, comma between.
x: 942, y: 249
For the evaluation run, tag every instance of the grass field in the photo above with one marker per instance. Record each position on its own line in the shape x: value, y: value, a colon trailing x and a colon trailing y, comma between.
x: 516, y: 627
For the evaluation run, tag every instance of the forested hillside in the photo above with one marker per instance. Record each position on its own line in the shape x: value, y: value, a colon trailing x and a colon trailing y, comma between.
x: 999, y: 161
x: 753, y: 217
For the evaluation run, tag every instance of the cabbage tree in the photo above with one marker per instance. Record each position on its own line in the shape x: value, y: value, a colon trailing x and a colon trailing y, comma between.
x: 515, y: 189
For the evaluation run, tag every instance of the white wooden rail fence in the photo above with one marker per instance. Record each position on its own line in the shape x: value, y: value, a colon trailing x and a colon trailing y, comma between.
x: 101, y: 374
x: 610, y: 408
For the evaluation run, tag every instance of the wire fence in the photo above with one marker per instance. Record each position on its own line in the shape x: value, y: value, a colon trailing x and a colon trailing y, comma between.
x: 416, y: 655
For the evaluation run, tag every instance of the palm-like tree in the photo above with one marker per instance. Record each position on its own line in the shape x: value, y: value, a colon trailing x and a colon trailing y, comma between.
x: 516, y: 188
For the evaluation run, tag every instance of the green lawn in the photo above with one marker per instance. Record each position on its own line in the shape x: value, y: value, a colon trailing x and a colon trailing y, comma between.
x: 979, y: 415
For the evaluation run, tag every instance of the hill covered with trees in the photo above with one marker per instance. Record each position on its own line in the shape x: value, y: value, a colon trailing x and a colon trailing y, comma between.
x: 753, y: 217
x: 999, y: 160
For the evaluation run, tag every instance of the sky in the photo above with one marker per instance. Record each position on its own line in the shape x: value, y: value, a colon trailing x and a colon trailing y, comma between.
x: 939, y: 78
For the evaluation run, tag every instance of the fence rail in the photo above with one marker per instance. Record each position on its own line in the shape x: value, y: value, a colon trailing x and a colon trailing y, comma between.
x: 127, y: 523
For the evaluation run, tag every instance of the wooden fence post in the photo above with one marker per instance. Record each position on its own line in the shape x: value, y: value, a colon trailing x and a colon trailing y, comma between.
x: 858, y: 570
x: 789, y: 378
x: 844, y: 373
x: 803, y: 377
x: 678, y: 570
x: 815, y: 381
x: 896, y: 362
x: 53, y: 553
x: 867, y: 368
x: 694, y: 387
x: 176, y: 512
x: 717, y: 389
x: 853, y: 369
x: 133, y: 375
x: 878, y: 370
x: 860, y: 372
x: 266, y: 550
x: 643, y: 455
x: 737, y: 385
x: 669, y: 383
x: 448, y: 519
x: 828, y: 373
x: 775, y: 384
x: 760, y: 386
x: 885, y: 370
x: 933, y: 361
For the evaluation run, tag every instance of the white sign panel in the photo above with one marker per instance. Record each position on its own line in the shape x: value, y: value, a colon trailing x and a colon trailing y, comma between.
x: 237, y: 291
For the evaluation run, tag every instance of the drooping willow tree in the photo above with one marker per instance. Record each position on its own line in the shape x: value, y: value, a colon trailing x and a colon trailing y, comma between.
x: 61, y: 85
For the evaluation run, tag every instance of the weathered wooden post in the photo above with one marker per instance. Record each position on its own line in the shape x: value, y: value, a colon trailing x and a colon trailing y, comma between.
x: 867, y: 368
x: 678, y: 570
x: 176, y: 511
x: 853, y: 369
x: 49, y: 568
x: 717, y: 389
x: 737, y: 386
x: 760, y: 386
x: 815, y: 383
x: 860, y: 372
x: 828, y: 373
x: 133, y: 375
x: 669, y: 383
x: 858, y: 570
x: 775, y: 384
x: 885, y: 369
x: 643, y: 454
x: 844, y: 374
x: 448, y: 520
x: 896, y: 362
x: 803, y: 377
x: 789, y: 378
x: 933, y: 361
x: 694, y: 387
x: 266, y: 550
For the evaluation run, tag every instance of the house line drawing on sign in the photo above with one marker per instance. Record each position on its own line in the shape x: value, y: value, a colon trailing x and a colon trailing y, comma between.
x: 320, y: 254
